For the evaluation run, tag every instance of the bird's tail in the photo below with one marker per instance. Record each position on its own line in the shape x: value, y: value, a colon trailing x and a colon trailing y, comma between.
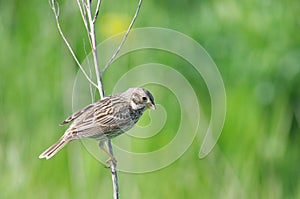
x: 52, y: 150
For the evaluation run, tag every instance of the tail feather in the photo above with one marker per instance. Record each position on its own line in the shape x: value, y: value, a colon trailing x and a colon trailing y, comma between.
x: 52, y: 150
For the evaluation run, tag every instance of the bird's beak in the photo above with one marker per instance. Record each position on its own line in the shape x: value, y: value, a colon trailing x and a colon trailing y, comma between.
x: 151, y: 106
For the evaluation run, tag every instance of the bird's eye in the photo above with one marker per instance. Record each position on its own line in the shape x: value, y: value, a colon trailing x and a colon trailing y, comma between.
x: 144, y: 99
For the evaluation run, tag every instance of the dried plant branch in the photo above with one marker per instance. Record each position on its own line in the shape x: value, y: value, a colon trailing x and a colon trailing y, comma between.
x: 92, y: 36
x: 109, y: 145
x: 83, y: 13
x: 97, y: 11
x: 89, y: 22
x: 90, y: 71
x: 55, y: 8
x: 56, y: 13
x: 124, y: 37
x: 113, y: 170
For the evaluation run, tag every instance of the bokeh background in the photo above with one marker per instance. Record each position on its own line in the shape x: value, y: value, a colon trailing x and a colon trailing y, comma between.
x: 256, y: 46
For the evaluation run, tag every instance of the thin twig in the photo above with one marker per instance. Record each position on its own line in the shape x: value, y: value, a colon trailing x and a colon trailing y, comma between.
x: 101, y: 91
x: 97, y: 11
x: 89, y: 22
x: 56, y: 14
x: 124, y: 37
x: 91, y: 74
x: 113, y: 170
x: 94, y: 48
x: 92, y: 35
x: 83, y: 14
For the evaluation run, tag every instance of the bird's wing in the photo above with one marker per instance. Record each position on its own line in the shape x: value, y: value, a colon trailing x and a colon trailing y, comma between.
x: 107, y: 116
x: 76, y: 114
x: 84, y: 110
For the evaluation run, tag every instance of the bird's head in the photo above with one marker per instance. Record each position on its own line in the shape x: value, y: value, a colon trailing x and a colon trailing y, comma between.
x: 141, y: 98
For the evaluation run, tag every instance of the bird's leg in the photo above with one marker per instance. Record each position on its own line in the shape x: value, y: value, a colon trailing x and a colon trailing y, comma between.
x: 111, y: 157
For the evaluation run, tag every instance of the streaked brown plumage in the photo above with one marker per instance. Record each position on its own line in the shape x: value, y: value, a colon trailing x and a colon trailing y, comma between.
x: 105, y: 119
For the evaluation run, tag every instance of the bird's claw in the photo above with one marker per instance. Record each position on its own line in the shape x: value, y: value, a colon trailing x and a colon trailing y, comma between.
x: 111, y: 159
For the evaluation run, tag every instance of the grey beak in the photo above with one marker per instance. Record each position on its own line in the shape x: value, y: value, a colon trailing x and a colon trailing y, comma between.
x: 151, y: 106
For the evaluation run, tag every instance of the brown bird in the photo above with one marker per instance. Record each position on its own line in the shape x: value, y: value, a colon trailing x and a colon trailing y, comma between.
x: 105, y: 119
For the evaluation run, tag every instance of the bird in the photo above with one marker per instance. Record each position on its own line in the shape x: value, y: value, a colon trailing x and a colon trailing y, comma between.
x: 104, y: 119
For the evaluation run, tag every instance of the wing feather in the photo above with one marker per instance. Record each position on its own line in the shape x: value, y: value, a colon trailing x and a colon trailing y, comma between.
x: 105, y: 116
x: 76, y: 115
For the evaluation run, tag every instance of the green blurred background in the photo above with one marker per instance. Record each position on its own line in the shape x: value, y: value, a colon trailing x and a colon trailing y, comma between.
x: 256, y: 46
